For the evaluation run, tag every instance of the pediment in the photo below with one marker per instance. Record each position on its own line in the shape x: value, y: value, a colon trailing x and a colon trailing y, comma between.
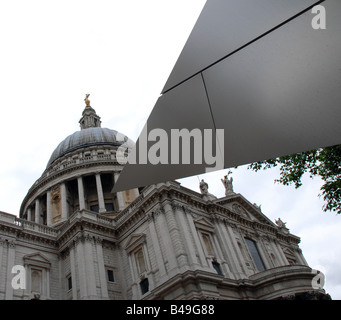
x: 37, y: 259
x: 253, y: 212
x: 203, y: 223
x: 245, y: 209
x: 134, y: 241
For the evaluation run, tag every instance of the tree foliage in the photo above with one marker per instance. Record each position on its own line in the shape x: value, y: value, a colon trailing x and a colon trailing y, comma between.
x: 324, y: 162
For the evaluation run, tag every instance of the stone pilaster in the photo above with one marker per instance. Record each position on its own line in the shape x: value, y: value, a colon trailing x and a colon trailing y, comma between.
x: 263, y: 253
x: 301, y: 258
x: 134, y: 275
x: 79, y: 248
x: 236, y: 254
x: 73, y: 271
x: 282, y: 255
x: 279, y: 257
x: 167, y: 241
x: 156, y: 244
x: 10, y: 264
x: 101, y: 269
x: 196, y: 239
x: 224, y: 247
x: 2, y: 244
x: 175, y: 236
x: 180, y: 216
x: 89, y: 267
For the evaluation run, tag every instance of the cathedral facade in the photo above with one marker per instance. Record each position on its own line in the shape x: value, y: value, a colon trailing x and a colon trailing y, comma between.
x: 76, y: 239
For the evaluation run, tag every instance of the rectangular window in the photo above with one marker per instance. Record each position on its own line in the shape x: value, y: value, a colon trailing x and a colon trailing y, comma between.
x: 110, y: 275
x: 144, y: 285
x: 217, y: 268
x: 94, y: 208
x: 257, y: 259
x: 109, y: 207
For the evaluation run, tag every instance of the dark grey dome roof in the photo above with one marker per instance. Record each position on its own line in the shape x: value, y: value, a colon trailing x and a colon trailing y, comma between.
x: 89, y: 137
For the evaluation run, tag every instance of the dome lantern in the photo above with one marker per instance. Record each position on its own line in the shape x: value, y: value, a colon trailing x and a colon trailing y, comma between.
x: 89, y: 117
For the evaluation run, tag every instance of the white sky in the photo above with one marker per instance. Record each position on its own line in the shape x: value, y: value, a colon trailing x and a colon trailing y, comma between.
x: 121, y: 52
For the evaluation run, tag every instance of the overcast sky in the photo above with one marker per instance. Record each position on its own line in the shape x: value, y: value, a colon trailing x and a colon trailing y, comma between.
x: 121, y: 52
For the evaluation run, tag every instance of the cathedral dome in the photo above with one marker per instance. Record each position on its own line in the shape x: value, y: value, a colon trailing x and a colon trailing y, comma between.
x: 91, y: 134
x: 89, y: 137
x: 80, y: 174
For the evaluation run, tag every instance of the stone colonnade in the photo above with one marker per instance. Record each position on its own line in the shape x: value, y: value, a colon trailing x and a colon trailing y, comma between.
x: 35, y: 208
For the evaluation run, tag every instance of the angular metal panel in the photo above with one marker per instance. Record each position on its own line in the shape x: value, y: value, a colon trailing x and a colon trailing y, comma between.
x: 281, y: 94
x: 278, y: 95
x: 184, y: 107
x: 224, y: 26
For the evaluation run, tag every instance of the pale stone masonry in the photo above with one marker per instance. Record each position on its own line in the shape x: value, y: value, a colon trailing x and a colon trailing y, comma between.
x: 78, y: 240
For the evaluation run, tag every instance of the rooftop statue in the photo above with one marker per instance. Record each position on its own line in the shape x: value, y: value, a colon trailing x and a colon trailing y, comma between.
x: 87, y: 101
x: 280, y: 223
x: 203, y: 187
x: 227, y: 184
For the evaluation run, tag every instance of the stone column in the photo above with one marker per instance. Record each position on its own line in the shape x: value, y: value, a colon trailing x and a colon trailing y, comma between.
x: 101, y: 269
x: 48, y: 208
x: 101, y: 204
x: 37, y: 211
x: 29, y: 214
x: 81, y: 193
x: 65, y: 207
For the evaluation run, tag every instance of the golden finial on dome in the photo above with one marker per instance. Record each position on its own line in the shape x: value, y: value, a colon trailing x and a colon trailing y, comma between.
x: 87, y: 101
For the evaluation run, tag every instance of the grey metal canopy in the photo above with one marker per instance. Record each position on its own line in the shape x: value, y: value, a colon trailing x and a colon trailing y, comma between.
x: 258, y: 70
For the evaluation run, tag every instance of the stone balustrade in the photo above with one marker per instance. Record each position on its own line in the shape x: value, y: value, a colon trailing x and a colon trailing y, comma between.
x: 50, y: 231
x: 80, y: 158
